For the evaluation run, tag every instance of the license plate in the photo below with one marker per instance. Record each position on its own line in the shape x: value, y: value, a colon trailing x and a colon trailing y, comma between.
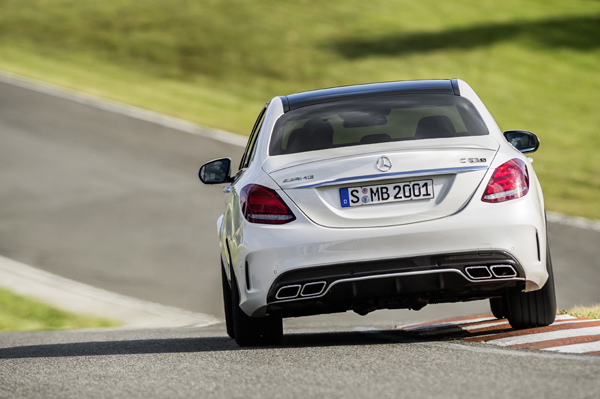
x: 394, y: 192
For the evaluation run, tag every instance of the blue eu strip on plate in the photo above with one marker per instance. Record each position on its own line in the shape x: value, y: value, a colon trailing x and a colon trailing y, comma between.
x: 344, y: 197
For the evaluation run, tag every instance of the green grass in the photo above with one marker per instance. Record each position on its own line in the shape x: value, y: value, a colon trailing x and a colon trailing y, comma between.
x: 535, y: 63
x: 591, y: 312
x: 18, y: 313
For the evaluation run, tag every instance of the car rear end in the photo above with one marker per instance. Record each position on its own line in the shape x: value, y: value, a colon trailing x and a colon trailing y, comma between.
x: 392, y: 200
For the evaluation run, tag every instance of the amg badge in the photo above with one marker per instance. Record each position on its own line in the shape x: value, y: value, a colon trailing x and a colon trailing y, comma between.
x: 291, y: 179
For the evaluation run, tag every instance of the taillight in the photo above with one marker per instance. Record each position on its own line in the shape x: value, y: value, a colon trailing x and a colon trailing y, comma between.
x: 509, y: 181
x: 263, y: 205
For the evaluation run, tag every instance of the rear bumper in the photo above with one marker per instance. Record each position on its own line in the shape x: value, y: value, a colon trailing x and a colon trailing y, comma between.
x: 394, y: 284
x: 267, y: 253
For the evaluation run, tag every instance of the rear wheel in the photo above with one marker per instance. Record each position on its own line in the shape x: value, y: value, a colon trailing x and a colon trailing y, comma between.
x: 253, y: 331
x: 533, y: 309
x: 227, y: 302
x: 498, y: 307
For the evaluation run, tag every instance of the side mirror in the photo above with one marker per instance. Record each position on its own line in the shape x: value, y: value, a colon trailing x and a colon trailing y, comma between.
x: 522, y: 140
x: 217, y: 171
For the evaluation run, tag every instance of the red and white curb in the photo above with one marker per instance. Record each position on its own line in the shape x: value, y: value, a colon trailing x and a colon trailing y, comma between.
x: 568, y: 334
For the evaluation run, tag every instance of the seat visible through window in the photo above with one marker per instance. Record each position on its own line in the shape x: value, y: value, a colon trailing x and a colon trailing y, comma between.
x: 316, y: 134
x: 434, y: 127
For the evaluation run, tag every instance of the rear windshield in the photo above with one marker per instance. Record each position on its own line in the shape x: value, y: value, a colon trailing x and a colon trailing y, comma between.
x: 375, y: 120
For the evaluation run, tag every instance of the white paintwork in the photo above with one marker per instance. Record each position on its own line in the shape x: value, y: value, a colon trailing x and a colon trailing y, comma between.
x: 456, y: 221
x: 452, y: 190
x: 219, y: 223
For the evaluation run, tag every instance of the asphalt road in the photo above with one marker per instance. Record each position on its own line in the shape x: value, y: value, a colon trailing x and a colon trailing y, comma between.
x: 114, y: 202
x: 312, y: 363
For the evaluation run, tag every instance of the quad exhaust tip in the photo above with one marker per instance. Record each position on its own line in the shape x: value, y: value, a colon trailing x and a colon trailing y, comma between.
x: 288, y: 292
x: 497, y: 271
x: 503, y: 271
x: 311, y: 289
x: 293, y: 291
x: 478, y: 272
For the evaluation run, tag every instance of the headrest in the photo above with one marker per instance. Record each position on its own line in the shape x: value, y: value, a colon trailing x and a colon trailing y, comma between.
x: 437, y: 126
x: 316, y: 134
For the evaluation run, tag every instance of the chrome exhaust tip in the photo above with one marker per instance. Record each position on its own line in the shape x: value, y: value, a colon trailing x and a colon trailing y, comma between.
x: 503, y: 271
x: 478, y: 272
x: 312, y: 289
x: 288, y: 292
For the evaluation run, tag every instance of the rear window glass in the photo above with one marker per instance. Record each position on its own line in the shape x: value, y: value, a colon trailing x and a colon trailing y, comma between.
x: 375, y: 120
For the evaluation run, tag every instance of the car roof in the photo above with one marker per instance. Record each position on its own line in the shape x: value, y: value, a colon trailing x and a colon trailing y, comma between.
x: 299, y: 100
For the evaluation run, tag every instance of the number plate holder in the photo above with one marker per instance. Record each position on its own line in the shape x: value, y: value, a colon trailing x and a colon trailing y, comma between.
x: 383, y: 193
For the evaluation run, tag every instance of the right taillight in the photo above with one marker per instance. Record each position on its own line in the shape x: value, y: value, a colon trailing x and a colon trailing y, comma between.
x: 509, y: 181
x: 263, y: 205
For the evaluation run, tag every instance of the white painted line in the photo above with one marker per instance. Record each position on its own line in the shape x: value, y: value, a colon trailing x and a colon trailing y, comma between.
x: 564, y: 317
x: 124, y: 109
x: 576, y: 348
x: 573, y: 321
x: 82, y: 298
x: 546, y: 336
x: 573, y: 221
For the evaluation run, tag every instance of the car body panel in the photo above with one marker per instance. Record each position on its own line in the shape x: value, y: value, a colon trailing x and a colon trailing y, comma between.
x: 454, y: 181
x: 324, y: 234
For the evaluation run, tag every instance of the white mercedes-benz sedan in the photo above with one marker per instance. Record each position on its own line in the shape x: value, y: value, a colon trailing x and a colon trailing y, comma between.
x: 380, y: 196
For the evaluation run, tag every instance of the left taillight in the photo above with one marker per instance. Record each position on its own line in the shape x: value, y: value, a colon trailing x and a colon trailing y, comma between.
x: 263, y: 205
x: 509, y: 181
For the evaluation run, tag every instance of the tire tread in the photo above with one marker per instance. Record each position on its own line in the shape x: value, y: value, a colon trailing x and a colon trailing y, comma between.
x: 533, y: 309
x: 254, y: 331
x: 227, y: 300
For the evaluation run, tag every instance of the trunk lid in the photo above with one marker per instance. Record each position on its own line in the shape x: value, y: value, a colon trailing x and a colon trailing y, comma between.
x: 312, y: 180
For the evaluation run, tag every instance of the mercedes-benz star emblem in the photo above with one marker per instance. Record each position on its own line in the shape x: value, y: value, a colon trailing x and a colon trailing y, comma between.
x: 383, y: 164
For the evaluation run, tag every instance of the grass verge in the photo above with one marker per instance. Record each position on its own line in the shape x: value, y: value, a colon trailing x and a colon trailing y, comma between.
x: 591, y: 312
x: 533, y: 62
x: 18, y: 313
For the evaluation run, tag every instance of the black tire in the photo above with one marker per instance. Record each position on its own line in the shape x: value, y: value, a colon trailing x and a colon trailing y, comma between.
x: 533, y: 309
x: 498, y: 307
x: 253, y: 331
x: 227, y: 302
